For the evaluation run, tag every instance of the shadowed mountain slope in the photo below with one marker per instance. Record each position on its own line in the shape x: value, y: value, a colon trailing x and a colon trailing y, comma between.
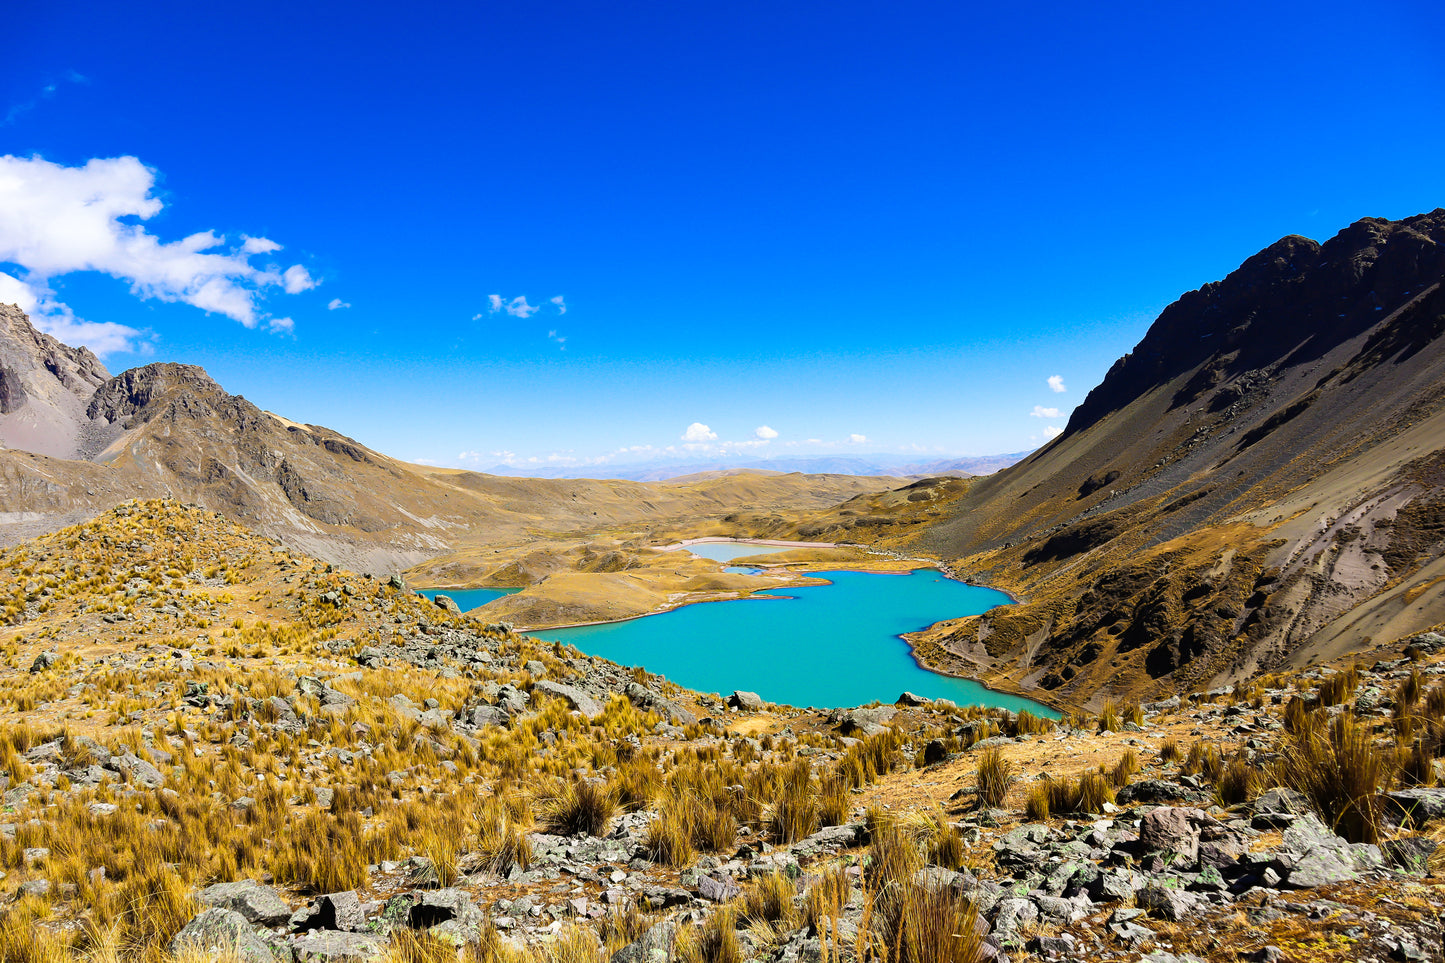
x: 1258, y: 482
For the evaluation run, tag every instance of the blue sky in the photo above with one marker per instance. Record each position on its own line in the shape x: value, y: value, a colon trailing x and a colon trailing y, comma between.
x: 839, y: 222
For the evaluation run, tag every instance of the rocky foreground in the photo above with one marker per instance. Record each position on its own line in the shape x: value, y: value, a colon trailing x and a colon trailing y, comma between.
x: 215, y: 749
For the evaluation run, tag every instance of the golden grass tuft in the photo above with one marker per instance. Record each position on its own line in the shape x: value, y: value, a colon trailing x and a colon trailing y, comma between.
x: 994, y: 778
x: 1343, y: 772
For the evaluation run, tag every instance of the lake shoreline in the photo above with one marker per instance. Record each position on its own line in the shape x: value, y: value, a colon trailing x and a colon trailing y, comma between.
x: 628, y: 648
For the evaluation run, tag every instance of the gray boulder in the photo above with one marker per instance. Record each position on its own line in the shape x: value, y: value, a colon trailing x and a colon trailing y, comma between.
x: 489, y: 716
x: 1167, y: 902
x: 1420, y: 804
x: 750, y: 701
x: 716, y: 890
x: 654, y: 946
x: 645, y: 699
x: 138, y: 771
x: 332, y: 946
x: 576, y: 698
x: 1325, y: 858
x: 220, y: 933
x: 1172, y: 830
x: 259, y: 905
x: 868, y: 720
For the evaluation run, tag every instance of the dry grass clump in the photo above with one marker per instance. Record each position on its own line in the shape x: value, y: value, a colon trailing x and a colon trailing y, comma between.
x: 621, y: 927
x: 794, y: 811
x: 1050, y: 796
x: 1343, y: 772
x: 323, y: 854
x: 669, y: 837
x: 1028, y: 724
x: 1295, y: 714
x: 871, y: 757
x: 1204, y: 759
x: 1238, y: 780
x: 1123, y: 770
x: 825, y: 899
x: 1417, y: 765
x: 573, y: 944
x: 1109, y: 720
x: 934, y: 836
x: 769, y: 900
x: 1169, y: 750
x: 581, y: 806
x: 1338, y: 688
x: 715, y: 941
x: 905, y: 921
x: 995, y: 777
x: 501, y: 838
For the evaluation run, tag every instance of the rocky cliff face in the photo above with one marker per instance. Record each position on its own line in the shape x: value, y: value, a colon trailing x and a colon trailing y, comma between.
x: 1256, y: 483
x: 44, y: 386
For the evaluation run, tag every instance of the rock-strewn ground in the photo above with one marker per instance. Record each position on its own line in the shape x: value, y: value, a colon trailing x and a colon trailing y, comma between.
x: 211, y: 747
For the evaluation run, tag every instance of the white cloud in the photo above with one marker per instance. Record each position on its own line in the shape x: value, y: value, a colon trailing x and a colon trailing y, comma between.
x: 517, y: 307
x: 1056, y: 384
x: 764, y: 432
x: 561, y: 304
x: 55, y: 220
x: 54, y: 318
x: 1052, y: 431
x: 336, y: 304
x: 258, y: 245
x: 281, y: 326
x: 1041, y: 412
x: 558, y: 340
x: 857, y: 439
x: 297, y: 279
x: 697, y: 433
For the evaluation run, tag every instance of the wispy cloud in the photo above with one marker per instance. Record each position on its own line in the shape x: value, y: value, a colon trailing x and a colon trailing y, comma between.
x: 1056, y: 384
x: 1041, y: 412
x: 856, y: 439
x: 55, y: 220
x: 517, y: 307
x: 764, y: 432
x: 16, y: 111
x: 560, y: 303
x: 336, y: 304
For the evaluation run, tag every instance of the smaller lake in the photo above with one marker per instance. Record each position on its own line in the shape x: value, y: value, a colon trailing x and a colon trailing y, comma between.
x: 727, y: 551
x: 824, y: 645
x: 468, y: 599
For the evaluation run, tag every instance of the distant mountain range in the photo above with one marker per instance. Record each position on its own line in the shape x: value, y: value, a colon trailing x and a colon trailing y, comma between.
x: 75, y: 441
x: 880, y: 464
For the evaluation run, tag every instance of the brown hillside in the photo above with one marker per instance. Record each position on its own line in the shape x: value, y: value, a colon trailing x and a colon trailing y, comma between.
x: 1257, y: 483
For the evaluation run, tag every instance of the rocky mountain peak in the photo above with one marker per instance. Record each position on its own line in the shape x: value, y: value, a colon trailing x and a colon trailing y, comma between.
x: 131, y: 391
x: 44, y: 386
x: 1294, y: 300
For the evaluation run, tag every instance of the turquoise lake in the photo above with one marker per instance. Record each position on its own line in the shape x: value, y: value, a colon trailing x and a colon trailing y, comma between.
x: 468, y: 599
x: 824, y: 646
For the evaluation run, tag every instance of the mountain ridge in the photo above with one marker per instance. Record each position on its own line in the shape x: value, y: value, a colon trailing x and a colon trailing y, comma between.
x: 1214, y: 510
